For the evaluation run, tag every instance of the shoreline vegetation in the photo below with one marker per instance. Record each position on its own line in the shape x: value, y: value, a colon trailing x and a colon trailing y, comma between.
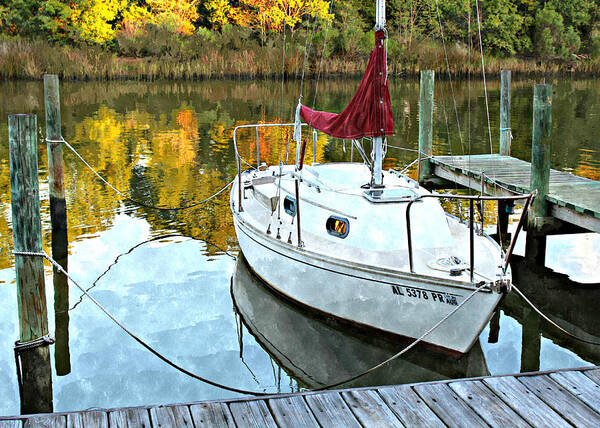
x: 29, y: 60
x: 149, y: 40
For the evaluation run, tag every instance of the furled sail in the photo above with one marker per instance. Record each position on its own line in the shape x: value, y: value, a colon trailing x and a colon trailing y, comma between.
x: 369, y: 113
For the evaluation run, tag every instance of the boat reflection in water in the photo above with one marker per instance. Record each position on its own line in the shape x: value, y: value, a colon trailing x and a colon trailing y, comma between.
x: 320, y: 351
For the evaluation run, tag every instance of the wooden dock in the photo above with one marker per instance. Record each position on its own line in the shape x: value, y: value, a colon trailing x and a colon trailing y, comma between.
x: 572, y: 199
x: 557, y: 398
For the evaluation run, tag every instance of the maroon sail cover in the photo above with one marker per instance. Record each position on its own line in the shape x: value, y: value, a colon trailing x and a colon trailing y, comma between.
x: 369, y: 113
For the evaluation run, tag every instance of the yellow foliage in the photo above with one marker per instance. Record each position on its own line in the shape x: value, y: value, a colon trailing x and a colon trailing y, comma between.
x: 180, y: 14
x: 94, y: 16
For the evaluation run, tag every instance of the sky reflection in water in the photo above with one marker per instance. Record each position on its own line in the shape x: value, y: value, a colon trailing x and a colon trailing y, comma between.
x: 170, y: 143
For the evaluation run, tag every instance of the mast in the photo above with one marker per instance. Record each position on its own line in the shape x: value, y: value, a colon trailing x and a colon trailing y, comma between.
x: 378, y: 141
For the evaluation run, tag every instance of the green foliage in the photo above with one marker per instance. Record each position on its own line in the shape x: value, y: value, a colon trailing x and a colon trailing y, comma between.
x: 555, y: 31
x: 553, y: 39
x: 49, y: 19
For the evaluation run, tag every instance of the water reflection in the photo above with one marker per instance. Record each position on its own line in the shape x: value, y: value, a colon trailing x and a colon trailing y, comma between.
x: 168, y: 144
x: 319, y: 352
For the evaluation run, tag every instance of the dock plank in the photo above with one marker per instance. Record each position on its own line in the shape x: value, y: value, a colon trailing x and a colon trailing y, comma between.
x: 487, y: 404
x: 135, y: 417
x: 46, y: 421
x: 331, y: 410
x: 171, y: 416
x: 292, y: 412
x: 252, y: 414
x: 211, y: 415
x: 573, y: 410
x: 525, y: 402
x: 579, y: 385
x: 370, y: 409
x: 409, y: 407
x: 89, y: 419
x: 579, y: 194
x: 593, y: 374
x: 448, y: 406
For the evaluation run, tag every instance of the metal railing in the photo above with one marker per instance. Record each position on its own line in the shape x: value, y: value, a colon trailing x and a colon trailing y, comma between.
x: 238, y: 157
x: 528, y: 199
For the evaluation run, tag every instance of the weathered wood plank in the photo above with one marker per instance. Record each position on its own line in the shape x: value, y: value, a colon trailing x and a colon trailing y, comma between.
x: 252, y: 414
x: 11, y: 424
x: 211, y: 415
x: 370, y: 409
x: 409, y: 407
x: 331, y: 410
x: 579, y: 385
x: 593, y: 374
x: 171, y: 416
x: 486, y: 404
x: 448, y: 406
x: 292, y: 412
x: 524, y: 402
x: 566, y: 404
x: 46, y: 421
x: 129, y: 418
x: 90, y: 419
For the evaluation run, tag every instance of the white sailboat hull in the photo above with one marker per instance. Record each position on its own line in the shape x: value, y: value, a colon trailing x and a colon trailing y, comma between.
x: 399, y: 303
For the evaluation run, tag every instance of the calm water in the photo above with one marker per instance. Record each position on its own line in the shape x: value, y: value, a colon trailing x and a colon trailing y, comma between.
x: 168, y: 143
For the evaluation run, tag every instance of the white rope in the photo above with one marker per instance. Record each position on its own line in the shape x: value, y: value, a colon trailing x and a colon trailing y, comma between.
x: 125, y: 196
x: 545, y: 317
x: 487, y: 108
x: 195, y: 376
x: 413, y: 344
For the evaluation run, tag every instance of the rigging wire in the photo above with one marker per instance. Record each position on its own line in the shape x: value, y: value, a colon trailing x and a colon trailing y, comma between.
x: 321, y: 61
x: 283, y: 82
x: 449, y: 74
x: 487, y: 108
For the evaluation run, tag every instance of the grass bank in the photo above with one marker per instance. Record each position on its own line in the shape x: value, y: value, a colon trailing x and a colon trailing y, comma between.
x: 22, y: 59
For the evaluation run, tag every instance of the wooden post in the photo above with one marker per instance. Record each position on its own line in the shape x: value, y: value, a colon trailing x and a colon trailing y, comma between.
x: 36, y: 394
x: 58, y: 219
x: 505, y: 132
x: 425, y: 123
x: 541, y: 146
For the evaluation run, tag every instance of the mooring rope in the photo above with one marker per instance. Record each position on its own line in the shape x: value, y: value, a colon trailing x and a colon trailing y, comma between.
x: 140, y: 203
x: 132, y: 335
x: 545, y: 317
x: 409, y: 347
x: 153, y: 239
x: 227, y: 387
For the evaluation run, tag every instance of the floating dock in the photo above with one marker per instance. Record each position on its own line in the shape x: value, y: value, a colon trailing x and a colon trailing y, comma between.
x: 572, y: 199
x: 569, y: 397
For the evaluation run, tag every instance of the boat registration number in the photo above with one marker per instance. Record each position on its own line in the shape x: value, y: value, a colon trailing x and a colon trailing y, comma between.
x: 417, y: 293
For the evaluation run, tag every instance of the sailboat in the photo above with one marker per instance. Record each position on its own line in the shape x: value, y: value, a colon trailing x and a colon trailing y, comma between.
x: 319, y: 352
x: 361, y: 244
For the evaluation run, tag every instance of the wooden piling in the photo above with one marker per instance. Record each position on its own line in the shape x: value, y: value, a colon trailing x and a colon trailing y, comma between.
x: 505, y: 131
x: 425, y: 123
x: 36, y: 394
x: 541, y: 146
x: 58, y: 219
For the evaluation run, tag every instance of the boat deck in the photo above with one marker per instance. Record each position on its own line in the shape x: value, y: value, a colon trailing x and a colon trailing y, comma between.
x: 553, y: 398
x: 573, y: 199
